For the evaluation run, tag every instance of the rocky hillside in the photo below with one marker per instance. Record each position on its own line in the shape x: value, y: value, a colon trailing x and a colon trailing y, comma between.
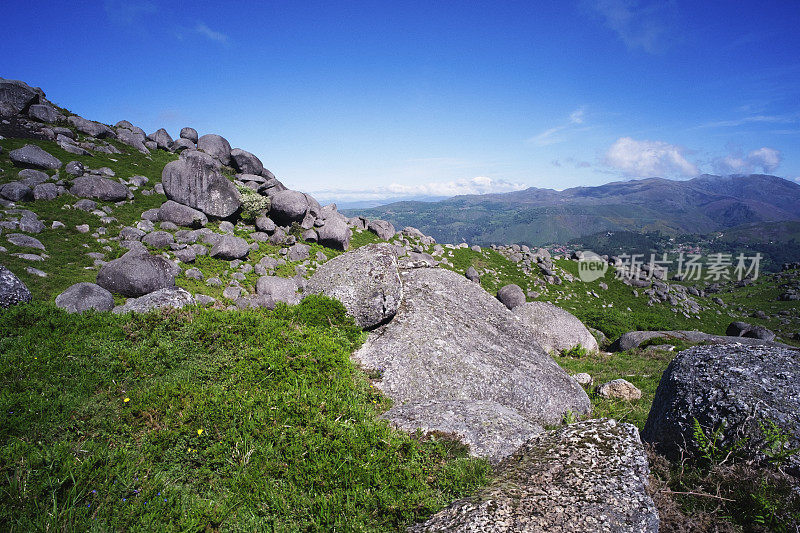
x: 542, y: 216
x: 178, y: 283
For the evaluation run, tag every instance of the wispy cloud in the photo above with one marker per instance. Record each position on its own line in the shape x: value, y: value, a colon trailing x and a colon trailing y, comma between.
x: 476, y: 185
x: 764, y: 159
x: 202, y: 29
x: 551, y: 136
x: 640, y: 25
x: 753, y: 119
x: 649, y: 158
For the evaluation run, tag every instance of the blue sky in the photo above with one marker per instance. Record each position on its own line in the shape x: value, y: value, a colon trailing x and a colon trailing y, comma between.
x: 373, y: 99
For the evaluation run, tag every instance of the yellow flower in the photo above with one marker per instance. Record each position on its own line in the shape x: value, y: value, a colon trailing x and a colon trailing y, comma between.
x: 199, y: 432
x: 126, y: 400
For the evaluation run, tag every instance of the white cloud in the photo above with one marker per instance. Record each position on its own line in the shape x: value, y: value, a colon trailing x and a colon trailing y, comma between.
x: 638, y: 24
x: 210, y: 34
x: 128, y: 11
x: 764, y: 159
x: 755, y: 119
x: 649, y: 158
x: 477, y: 185
x: 550, y: 136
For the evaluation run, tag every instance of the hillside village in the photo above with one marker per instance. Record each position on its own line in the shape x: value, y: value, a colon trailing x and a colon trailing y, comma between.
x: 180, y: 325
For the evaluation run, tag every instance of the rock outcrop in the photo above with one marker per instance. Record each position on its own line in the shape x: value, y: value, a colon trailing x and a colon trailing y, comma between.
x: 555, y: 329
x: 195, y: 180
x: 12, y: 290
x: 633, y: 339
x: 589, y: 476
x: 366, y: 281
x: 734, y: 387
x: 81, y: 297
x: 137, y: 273
x: 173, y: 297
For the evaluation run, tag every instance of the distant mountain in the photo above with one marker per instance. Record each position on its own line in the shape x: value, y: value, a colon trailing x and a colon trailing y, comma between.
x: 539, y: 216
x: 367, y: 204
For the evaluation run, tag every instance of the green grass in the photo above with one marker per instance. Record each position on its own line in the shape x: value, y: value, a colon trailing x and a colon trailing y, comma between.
x: 290, y: 440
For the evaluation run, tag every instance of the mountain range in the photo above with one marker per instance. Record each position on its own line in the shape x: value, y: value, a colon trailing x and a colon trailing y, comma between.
x: 537, y: 216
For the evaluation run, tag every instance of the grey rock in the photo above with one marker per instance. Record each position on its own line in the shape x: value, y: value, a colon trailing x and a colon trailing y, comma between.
x: 187, y: 255
x: 16, y: 96
x: 204, y: 300
x: 298, y: 252
x: 158, y: 239
x: 366, y: 281
x: 279, y: 289
x: 36, y: 272
x: 82, y: 228
x: 589, y: 476
x: 473, y: 275
x: 194, y: 273
x: 12, y: 290
x: 289, y: 206
x: 555, y: 329
x: 743, y: 329
x: 583, y: 379
x: 245, y: 162
x: 16, y: 192
x: 733, y: 387
x: 93, y: 129
x: 132, y: 139
x: 181, y: 215
x: 633, y: 339
x: 381, y: 228
x: 511, y: 295
x: 226, y: 227
x: 488, y: 428
x: 179, y: 145
x: 24, y: 241
x: 162, y: 139
x: 619, y: 389
x: 84, y: 296
x: 173, y: 297
x: 31, y: 177
x: 334, y: 233
x: 44, y: 113
x: 98, y: 187
x: 189, y: 134
x: 230, y: 247
x: 85, y: 205
x: 151, y: 215
x: 75, y: 168
x: 215, y: 146
x: 195, y: 180
x: 32, y: 156
x: 265, y: 224
x: 45, y: 191
x: 136, y: 274
x: 30, y: 223
x: 450, y: 340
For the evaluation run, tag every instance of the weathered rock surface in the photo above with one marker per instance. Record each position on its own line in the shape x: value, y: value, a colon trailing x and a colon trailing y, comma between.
x: 589, y: 476
x: 215, y: 146
x: 381, y: 228
x: 279, y: 289
x: 743, y: 329
x: 195, y: 180
x: 189, y: 133
x: 84, y: 296
x: 555, y: 329
x: 619, y: 389
x: 288, y: 206
x: 26, y: 241
x: 173, y: 297
x: 490, y: 429
x: 335, y: 233
x: 633, y: 339
x: 44, y: 113
x: 736, y: 387
x: 16, y: 191
x: 366, y: 281
x: 450, y: 340
x: 99, y: 187
x: 16, y: 96
x: 245, y: 162
x: 91, y: 128
x: 181, y: 215
x: 32, y: 156
x: 230, y: 247
x: 12, y: 290
x: 162, y: 139
x: 136, y: 274
x: 511, y: 295
x: 473, y: 275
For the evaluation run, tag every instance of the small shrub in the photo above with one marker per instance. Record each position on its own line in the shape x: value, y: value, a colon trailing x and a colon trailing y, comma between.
x: 576, y: 351
x: 253, y: 204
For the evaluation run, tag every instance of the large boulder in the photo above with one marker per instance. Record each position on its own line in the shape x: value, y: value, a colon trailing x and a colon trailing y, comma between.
x: 181, y: 215
x: 489, y: 429
x: 132, y: 139
x: 230, y: 247
x: 44, y: 113
x: 511, y: 295
x: 245, y: 162
x: 736, y: 389
x: 450, y: 340
x: 173, y: 297
x: 91, y: 128
x: 589, y: 476
x: 366, y: 281
x: 32, y: 156
x: 162, y: 139
x: 334, y: 233
x: 16, y: 191
x: 137, y: 273
x: 215, y: 146
x: 288, y: 206
x: 556, y: 330
x: 279, y: 289
x: 743, y: 329
x: 12, y: 290
x: 381, y: 228
x: 633, y: 339
x: 189, y: 134
x: 195, y: 180
x: 100, y: 188
x: 84, y: 296
x: 16, y: 96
